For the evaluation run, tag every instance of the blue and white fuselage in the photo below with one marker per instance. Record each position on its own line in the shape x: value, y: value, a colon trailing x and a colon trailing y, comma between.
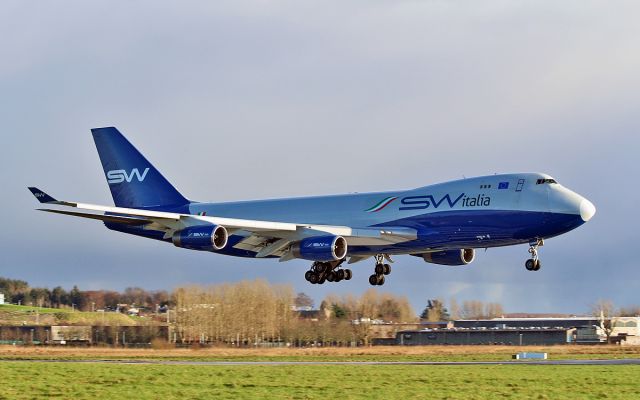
x: 472, y: 212
x: 442, y: 223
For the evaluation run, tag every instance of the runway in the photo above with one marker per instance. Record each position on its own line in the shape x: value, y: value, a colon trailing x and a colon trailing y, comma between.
x: 628, y: 361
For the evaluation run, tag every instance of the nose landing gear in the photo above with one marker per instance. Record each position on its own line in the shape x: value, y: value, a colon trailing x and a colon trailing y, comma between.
x: 533, y: 264
x: 381, y: 269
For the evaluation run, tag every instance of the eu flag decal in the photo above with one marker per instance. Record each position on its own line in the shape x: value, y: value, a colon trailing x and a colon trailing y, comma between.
x: 503, y: 185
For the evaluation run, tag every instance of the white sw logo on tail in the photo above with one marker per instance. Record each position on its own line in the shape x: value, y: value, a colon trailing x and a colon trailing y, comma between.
x: 120, y: 175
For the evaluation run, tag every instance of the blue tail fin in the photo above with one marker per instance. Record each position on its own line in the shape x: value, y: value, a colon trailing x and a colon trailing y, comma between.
x: 133, y: 181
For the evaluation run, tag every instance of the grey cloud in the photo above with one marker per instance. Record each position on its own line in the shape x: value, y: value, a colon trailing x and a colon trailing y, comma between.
x: 376, y: 96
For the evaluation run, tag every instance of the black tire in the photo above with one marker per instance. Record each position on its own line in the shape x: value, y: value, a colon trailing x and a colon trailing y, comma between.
x: 322, y: 280
x: 307, y: 276
x: 379, y: 269
x: 538, y: 265
x: 380, y: 280
x: 314, y: 278
x: 387, y: 269
x: 319, y: 267
x: 373, y: 280
x: 530, y: 264
x: 340, y: 275
x: 331, y: 276
x: 347, y: 274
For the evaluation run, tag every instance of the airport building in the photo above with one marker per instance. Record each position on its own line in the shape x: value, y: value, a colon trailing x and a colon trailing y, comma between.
x: 532, y: 336
x: 523, y: 331
x: 505, y: 323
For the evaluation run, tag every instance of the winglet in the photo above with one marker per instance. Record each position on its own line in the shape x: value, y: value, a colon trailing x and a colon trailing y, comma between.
x: 42, y: 196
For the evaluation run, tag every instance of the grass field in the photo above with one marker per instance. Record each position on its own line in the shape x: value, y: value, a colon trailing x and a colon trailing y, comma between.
x: 81, y: 380
x: 377, y: 353
x: 28, y: 380
x: 11, y: 314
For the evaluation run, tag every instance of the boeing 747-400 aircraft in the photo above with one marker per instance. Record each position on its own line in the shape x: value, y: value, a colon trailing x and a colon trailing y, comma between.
x: 442, y: 223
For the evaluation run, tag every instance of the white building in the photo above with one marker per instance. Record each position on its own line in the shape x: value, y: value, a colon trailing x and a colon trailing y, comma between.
x: 1, y: 298
x: 629, y: 326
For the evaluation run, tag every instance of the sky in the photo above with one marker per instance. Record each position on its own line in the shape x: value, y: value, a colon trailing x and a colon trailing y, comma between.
x: 247, y: 100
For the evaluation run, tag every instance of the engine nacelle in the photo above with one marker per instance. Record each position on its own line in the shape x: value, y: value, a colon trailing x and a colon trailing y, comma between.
x: 206, y: 237
x: 321, y: 248
x: 450, y: 257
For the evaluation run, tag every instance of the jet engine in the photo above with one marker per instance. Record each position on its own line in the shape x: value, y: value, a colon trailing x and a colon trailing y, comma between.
x: 449, y: 257
x: 206, y: 237
x: 321, y: 248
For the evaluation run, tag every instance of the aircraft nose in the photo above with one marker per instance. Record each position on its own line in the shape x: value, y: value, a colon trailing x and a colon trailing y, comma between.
x: 587, y: 210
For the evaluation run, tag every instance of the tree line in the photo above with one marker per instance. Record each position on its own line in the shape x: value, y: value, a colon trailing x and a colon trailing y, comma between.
x: 255, y: 312
x: 19, y: 292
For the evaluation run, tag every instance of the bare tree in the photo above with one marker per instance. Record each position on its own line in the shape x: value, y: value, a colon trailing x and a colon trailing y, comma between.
x: 302, y: 300
x: 472, y: 309
x: 454, y: 309
x: 493, y: 310
x: 629, y: 311
x: 605, y: 311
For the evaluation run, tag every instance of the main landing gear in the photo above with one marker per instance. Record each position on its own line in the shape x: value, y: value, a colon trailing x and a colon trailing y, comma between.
x: 533, y: 264
x: 381, y: 269
x: 322, y: 272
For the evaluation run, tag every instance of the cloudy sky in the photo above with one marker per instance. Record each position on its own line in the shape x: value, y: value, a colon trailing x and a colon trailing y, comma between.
x: 246, y: 100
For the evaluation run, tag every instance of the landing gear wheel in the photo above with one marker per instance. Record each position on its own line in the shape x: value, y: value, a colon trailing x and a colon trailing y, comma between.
x: 340, y: 274
x: 314, y: 278
x: 319, y: 267
x: 347, y: 274
x: 538, y: 265
x: 380, y: 279
x: 530, y: 264
x: 307, y: 276
x: 379, y: 269
x: 331, y: 276
x: 373, y: 280
x: 387, y: 269
x: 322, y: 279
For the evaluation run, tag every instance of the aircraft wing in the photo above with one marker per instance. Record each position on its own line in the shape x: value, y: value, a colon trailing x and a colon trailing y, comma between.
x: 266, y: 238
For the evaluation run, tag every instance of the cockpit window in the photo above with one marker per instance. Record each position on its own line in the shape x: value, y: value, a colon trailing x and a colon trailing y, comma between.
x: 543, y: 181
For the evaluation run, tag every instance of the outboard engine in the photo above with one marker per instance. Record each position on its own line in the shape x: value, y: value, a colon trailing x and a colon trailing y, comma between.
x: 206, y: 237
x: 321, y: 248
x: 449, y: 257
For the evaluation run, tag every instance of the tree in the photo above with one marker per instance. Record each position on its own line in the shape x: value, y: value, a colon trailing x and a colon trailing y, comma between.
x: 629, y: 311
x: 338, y: 311
x: 14, y: 289
x: 472, y: 309
x: 77, y: 298
x: 435, y: 311
x: 454, y: 309
x: 493, y: 310
x: 604, y: 310
x: 58, y: 296
x: 302, y: 300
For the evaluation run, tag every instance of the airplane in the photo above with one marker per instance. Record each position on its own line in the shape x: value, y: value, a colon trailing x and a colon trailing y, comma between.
x: 442, y: 223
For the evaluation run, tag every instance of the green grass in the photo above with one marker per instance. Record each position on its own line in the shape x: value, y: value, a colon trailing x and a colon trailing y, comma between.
x: 11, y: 314
x: 88, y: 380
x: 79, y: 355
x: 28, y: 309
